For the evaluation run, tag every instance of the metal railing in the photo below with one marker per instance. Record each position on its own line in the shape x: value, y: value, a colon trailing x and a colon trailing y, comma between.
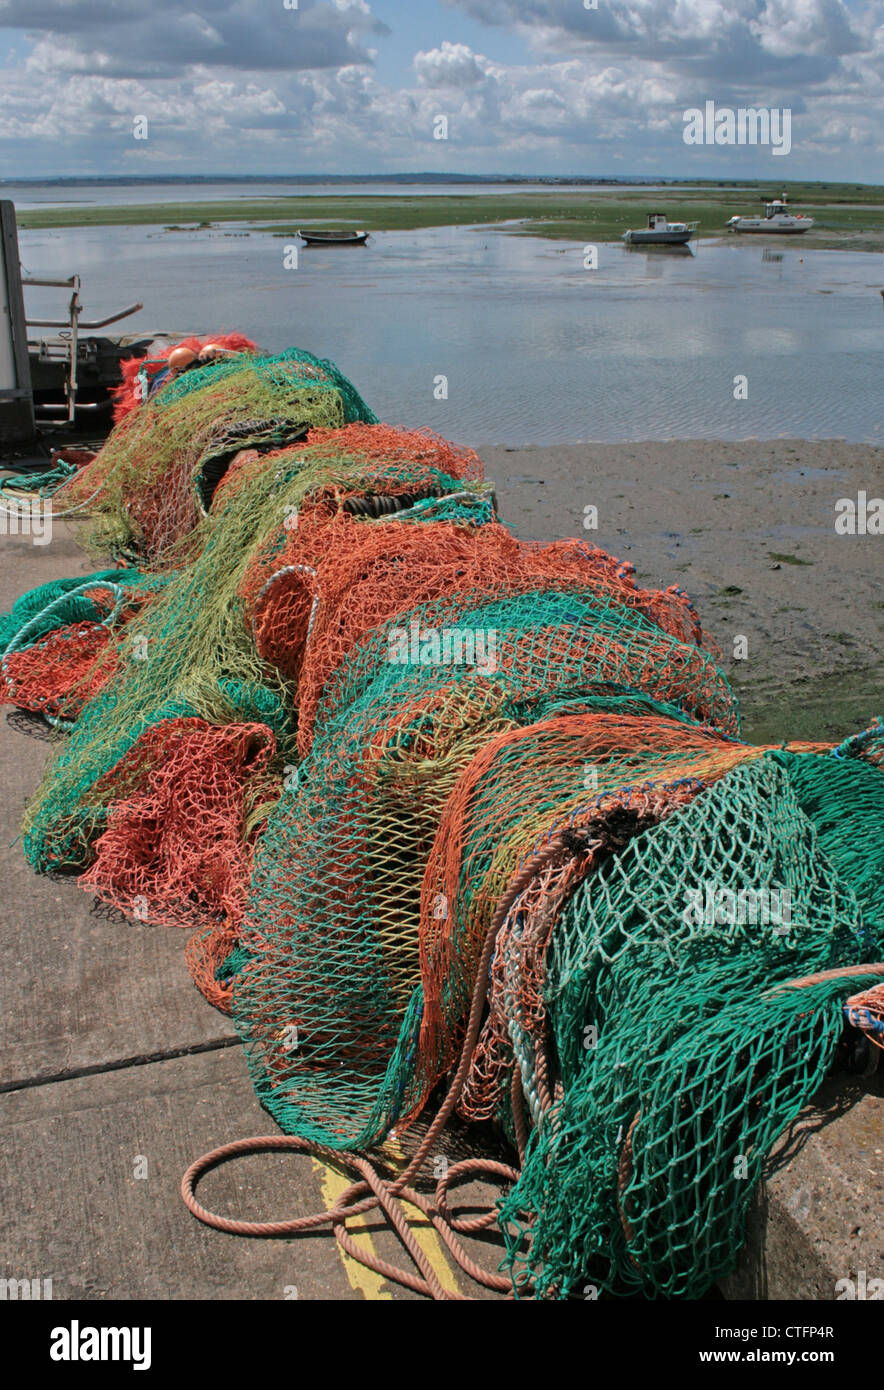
x: 73, y: 324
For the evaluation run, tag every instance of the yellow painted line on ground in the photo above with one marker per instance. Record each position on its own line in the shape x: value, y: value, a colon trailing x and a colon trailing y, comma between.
x: 424, y: 1233
x: 363, y: 1280
x: 366, y: 1281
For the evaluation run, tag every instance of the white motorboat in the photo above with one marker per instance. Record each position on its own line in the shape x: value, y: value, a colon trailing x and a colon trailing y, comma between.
x: 777, y: 218
x: 660, y: 232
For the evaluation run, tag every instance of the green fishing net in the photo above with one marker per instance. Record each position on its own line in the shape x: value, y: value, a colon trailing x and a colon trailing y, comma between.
x: 682, y: 1056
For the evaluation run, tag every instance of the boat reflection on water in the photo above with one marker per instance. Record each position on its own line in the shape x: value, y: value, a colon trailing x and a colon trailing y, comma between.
x: 657, y: 256
x: 656, y: 251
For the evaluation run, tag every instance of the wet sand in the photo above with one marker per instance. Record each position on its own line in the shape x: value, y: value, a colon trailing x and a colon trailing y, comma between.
x: 748, y: 528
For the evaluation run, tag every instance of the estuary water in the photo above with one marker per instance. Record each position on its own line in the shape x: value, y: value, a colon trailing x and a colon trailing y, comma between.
x: 492, y: 337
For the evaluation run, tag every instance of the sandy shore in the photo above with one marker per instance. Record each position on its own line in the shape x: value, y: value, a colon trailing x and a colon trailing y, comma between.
x: 748, y: 528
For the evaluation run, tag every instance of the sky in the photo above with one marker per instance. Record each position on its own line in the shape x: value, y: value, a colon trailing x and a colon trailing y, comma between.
x: 359, y: 86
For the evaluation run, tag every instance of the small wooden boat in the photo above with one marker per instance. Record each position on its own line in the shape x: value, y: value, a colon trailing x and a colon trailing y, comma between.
x: 660, y: 232
x: 333, y: 238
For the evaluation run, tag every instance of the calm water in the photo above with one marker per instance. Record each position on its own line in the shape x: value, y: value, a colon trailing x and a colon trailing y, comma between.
x: 536, y: 349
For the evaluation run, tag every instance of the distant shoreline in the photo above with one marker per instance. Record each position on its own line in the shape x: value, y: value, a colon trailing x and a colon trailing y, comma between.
x: 313, y: 180
x: 427, y: 177
x: 844, y: 218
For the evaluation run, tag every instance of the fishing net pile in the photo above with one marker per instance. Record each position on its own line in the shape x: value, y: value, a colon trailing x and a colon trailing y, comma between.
x: 383, y: 760
x: 147, y: 489
x: 60, y: 641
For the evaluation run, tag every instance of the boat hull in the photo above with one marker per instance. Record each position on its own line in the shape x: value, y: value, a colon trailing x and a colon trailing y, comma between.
x: 772, y: 231
x: 657, y: 238
x: 311, y: 239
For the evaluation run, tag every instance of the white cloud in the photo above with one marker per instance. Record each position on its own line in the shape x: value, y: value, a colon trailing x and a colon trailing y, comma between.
x: 452, y: 65
x: 132, y: 38
x: 223, y: 90
x: 734, y: 40
x: 788, y: 28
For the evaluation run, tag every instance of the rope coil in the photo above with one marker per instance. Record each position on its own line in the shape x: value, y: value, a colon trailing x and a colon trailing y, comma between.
x: 385, y: 1194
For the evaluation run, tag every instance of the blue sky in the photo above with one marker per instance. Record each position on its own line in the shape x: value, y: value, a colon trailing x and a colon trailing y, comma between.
x: 358, y: 86
x: 425, y: 25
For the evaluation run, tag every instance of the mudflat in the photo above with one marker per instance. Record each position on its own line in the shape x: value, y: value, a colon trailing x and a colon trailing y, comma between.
x: 748, y: 528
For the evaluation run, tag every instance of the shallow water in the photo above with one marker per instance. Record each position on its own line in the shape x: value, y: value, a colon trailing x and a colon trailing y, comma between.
x: 535, y: 348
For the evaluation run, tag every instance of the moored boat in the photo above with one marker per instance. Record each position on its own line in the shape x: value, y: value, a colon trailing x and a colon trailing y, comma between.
x: 334, y: 238
x: 777, y: 218
x: 660, y: 232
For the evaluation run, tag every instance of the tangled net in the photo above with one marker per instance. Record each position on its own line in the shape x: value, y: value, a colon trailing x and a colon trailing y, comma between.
x: 147, y: 489
x: 57, y: 649
x: 431, y: 800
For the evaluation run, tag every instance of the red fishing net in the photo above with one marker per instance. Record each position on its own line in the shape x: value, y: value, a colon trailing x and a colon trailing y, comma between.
x: 179, y: 837
x: 133, y: 370
x: 59, y: 674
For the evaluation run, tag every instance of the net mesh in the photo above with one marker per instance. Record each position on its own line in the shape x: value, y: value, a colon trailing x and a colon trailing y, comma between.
x: 342, y: 861
x: 156, y: 476
x: 343, y: 578
x: 679, y: 1060
x: 192, y: 651
x: 178, y: 849
x: 58, y: 643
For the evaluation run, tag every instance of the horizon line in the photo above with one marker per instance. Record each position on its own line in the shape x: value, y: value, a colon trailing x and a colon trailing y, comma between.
x: 428, y: 176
